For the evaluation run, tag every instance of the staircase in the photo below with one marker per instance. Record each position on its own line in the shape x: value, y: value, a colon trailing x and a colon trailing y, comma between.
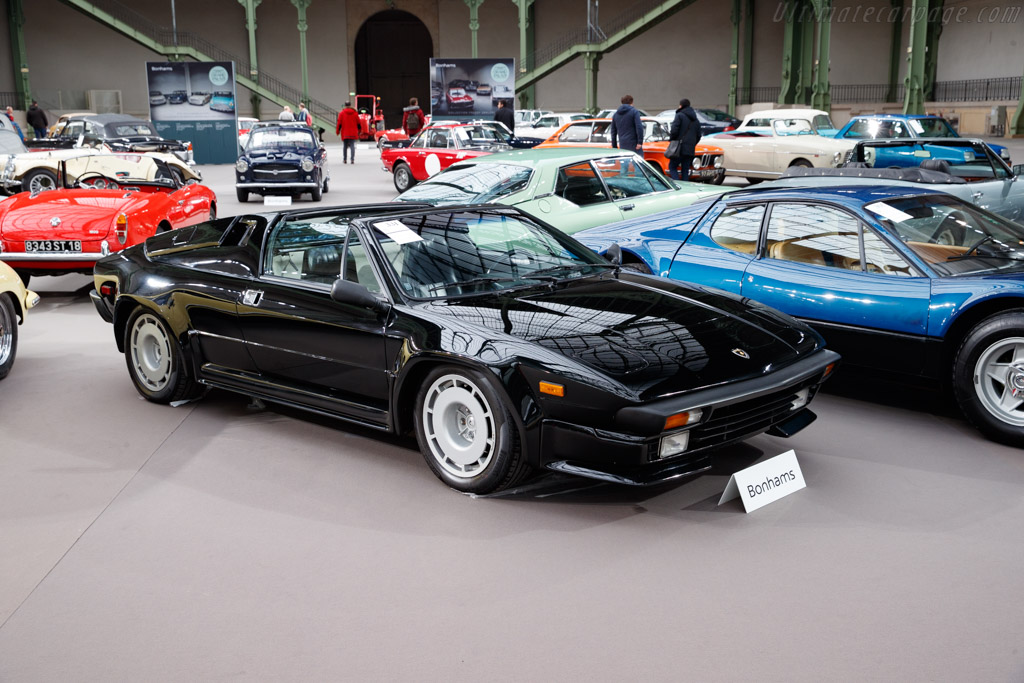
x: 185, y: 44
x: 624, y: 27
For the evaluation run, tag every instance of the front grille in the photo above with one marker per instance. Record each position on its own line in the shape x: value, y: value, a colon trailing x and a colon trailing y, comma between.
x: 707, y: 160
x: 741, y: 419
x: 276, y: 170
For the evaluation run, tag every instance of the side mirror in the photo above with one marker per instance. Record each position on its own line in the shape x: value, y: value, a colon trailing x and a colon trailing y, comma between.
x: 1018, y: 170
x: 614, y: 254
x: 355, y: 294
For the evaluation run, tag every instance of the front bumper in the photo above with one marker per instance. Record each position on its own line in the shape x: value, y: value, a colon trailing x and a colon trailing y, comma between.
x: 103, y: 306
x: 277, y: 188
x: 731, y: 413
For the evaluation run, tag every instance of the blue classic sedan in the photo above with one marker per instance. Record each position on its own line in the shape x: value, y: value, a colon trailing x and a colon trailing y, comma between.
x: 906, y: 127
x: 281, y: 157
x: 897, y: 279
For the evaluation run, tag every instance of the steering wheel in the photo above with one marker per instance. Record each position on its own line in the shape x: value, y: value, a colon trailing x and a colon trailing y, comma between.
x: 97, y: 181
x: 951, y: 230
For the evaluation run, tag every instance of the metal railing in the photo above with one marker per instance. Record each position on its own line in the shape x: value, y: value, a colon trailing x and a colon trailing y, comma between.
x: 875, y: 92
x: 186, y: 39
x: 978, y: 90
x: 768, y: 93
x: 9, y: 99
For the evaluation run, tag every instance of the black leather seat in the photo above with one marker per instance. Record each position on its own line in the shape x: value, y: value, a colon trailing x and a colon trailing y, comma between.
x: 936, y: 165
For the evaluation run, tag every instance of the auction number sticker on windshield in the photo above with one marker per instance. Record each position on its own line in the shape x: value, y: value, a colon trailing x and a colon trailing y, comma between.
x: 398, y: 231
x: 890, y: 212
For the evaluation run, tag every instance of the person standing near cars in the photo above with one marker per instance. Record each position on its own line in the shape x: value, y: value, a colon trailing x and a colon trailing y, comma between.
x: 627, y: 128
x: 412, y: 117
x: 36, y: 119
x: 349, y: 126
x: 17, y: 128
x: 505, y: 115
x: 286, y: 114
x: 686, y: 129
x: 303, y: 115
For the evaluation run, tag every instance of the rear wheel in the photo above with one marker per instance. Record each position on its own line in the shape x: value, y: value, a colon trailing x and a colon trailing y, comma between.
x: 466, y: 433
x: 155, y: 361
x: 39, y: 180
x: 403, y: 177
x: 801, y: 163
x: 988, y: 377
x: 8, y: 335
x: 243, y: 195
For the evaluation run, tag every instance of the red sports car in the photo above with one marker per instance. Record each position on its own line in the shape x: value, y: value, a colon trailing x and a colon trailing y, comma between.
x: 438, y: 147
x: 458, y: 100
x: 116, y: 201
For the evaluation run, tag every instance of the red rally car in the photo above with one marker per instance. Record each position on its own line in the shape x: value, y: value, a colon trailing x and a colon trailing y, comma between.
x: 116, y: 201
x: 436, y: 148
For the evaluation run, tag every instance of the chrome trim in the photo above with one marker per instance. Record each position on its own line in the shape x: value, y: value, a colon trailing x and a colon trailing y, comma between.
x: 272, y: 185
x: 51, y: 256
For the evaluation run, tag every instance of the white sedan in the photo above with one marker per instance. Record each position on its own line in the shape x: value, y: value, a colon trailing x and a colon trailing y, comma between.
x: 768, y: 143
x: 545, y: 126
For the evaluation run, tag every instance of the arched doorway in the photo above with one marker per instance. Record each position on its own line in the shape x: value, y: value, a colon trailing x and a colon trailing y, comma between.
x: 393, y: 50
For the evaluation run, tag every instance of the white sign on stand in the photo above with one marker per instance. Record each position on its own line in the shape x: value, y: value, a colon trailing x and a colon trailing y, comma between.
x: 277, y: 200
x: 765, y: 482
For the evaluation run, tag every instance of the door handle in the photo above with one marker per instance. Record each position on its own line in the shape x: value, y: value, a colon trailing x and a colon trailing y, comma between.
x: 252, y: 297
x: 627, y: 207
x: 976, y: 195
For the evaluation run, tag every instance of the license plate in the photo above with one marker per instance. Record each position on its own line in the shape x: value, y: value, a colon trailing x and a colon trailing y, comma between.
x: 708, y: 173
x: 59, y: 246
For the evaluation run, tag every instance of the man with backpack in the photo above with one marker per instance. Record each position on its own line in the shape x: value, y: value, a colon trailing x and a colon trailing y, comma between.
x: 349, y: 126
x: 412, y: 118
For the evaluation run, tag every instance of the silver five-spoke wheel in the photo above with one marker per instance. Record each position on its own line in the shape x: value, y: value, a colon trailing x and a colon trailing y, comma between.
x: 150, y: 351
x: 999, y: 380
x: 459, y: 426
x: 8, y: 335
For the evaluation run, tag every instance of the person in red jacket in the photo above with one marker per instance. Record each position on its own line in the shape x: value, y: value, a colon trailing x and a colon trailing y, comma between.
x: 412, y: 118
x: 349, y: 127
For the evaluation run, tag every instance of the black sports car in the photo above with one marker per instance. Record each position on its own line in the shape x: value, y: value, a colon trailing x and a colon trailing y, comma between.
x: 282, y: 157
x: 502, y: 343
x: 120, y: 133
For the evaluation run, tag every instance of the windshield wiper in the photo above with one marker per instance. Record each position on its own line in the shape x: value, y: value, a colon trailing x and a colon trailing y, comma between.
x: 573, y: 266
x: 489, y: 279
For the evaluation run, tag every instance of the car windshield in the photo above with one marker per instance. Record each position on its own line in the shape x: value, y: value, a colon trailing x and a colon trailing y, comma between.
x: 223, y: 95
x: 961, y: 158
x: 822, y: 122
x: 654, y: 131
x: 480, y: 134
x: 456, y: 92
x: 10, y: 143
x: 281, y: 139
x: 470, y: 184
x: 932, y: 128
x: 792, y: 127
x: 128, y: 129
x: 443, y: 255
x: 954, y: 237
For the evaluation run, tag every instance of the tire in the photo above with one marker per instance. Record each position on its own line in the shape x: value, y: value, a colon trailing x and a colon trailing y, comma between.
x: 39, y: 180
x: 466, y: 433
x: 325, y: 187
x: 381, y: 140
x: 801, y: 163
x: 243, y: 195
x: 637, y: 267
x: 213, y: 212
x: 155, y: 361
x: 316, y: 194
x: 754, y: 181
x: 985, y: 378
x: 951, y: 230
x: 8, y: 335
x: 719, y: 179
x: 403, y: 177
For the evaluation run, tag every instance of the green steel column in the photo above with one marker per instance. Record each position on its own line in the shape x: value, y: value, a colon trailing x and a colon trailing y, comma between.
x: 19, y: 58
x: 895, y: 50
x: 821, y: 96
x: 748, y: 50
x: 805, y: 80
x: 302, y: 6
x: 527, y: 98
x: 254, y: 71
x: 931, y: 56
x: 474, y: 23
x: 1017, y: 122
x: 913, y: 102
x: 790, y: 53
x: 590, y: 66
x: 734, y: 62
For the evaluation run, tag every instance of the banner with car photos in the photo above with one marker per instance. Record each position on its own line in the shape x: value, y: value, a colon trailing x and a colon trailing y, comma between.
x: 195, y: 101
x: 470, y: 89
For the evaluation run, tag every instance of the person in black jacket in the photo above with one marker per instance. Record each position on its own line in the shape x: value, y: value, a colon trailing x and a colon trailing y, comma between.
x: 627, y: 128
x: 685, y: 129
x: 505, y: 115
x: 36, y: 119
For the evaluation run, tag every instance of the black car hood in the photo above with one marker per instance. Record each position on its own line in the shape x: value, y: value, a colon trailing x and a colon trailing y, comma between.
x: 652, y: 336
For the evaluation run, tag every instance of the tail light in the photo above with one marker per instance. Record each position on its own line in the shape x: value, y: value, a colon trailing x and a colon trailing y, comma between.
x: 728, y: 128
x: 121, y: 228
x: 108, y: 289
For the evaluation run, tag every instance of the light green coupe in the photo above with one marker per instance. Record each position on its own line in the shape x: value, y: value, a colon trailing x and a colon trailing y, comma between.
x: 570, y: 189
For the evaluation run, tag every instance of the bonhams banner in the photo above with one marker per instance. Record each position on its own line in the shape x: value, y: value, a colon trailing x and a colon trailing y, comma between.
x: 195, y: 101
x: 468, y: 89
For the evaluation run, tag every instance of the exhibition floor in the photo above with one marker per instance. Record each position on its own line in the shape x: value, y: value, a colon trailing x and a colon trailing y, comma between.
x: 218, y: 541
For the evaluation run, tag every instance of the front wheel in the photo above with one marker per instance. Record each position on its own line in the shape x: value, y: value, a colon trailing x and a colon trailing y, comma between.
x: 8, y: 335
x: 719, y: 179
x: 317, y: 192
x: 466, y: 434
x: 155, y: 362
x: 801, y: 163
x: 403, y: 177
x: 243, y: 195
x: 988, y: 377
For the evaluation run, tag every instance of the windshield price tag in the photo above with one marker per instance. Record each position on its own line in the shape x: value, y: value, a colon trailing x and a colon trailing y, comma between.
x: 890, y: 212
x: 398, y: 231
x: 765, y: 482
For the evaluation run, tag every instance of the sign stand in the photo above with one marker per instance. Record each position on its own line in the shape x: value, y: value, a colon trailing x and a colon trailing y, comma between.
x: 765, y: 482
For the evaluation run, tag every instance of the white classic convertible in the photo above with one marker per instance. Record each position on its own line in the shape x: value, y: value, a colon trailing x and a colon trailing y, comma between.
x: 769, y: 142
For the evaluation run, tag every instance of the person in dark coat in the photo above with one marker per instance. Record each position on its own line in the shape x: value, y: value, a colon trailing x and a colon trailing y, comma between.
x: 36, y: 119
x: 505, y: 115
x: 627, y: 128
x: 686, y: 129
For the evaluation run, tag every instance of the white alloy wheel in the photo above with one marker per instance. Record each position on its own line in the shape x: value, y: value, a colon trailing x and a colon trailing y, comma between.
x: 459, y: 426
x: 41, y: 181
x: 999, y: 380
x: 150, y: 351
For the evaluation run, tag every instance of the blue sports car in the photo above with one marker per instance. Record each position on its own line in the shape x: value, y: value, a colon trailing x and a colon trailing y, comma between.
x: 907, y: 127
x: 898, y: 279
x: 223, y: 101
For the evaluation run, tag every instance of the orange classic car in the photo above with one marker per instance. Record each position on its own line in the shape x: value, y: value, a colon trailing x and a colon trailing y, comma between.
x: 707, y: 161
